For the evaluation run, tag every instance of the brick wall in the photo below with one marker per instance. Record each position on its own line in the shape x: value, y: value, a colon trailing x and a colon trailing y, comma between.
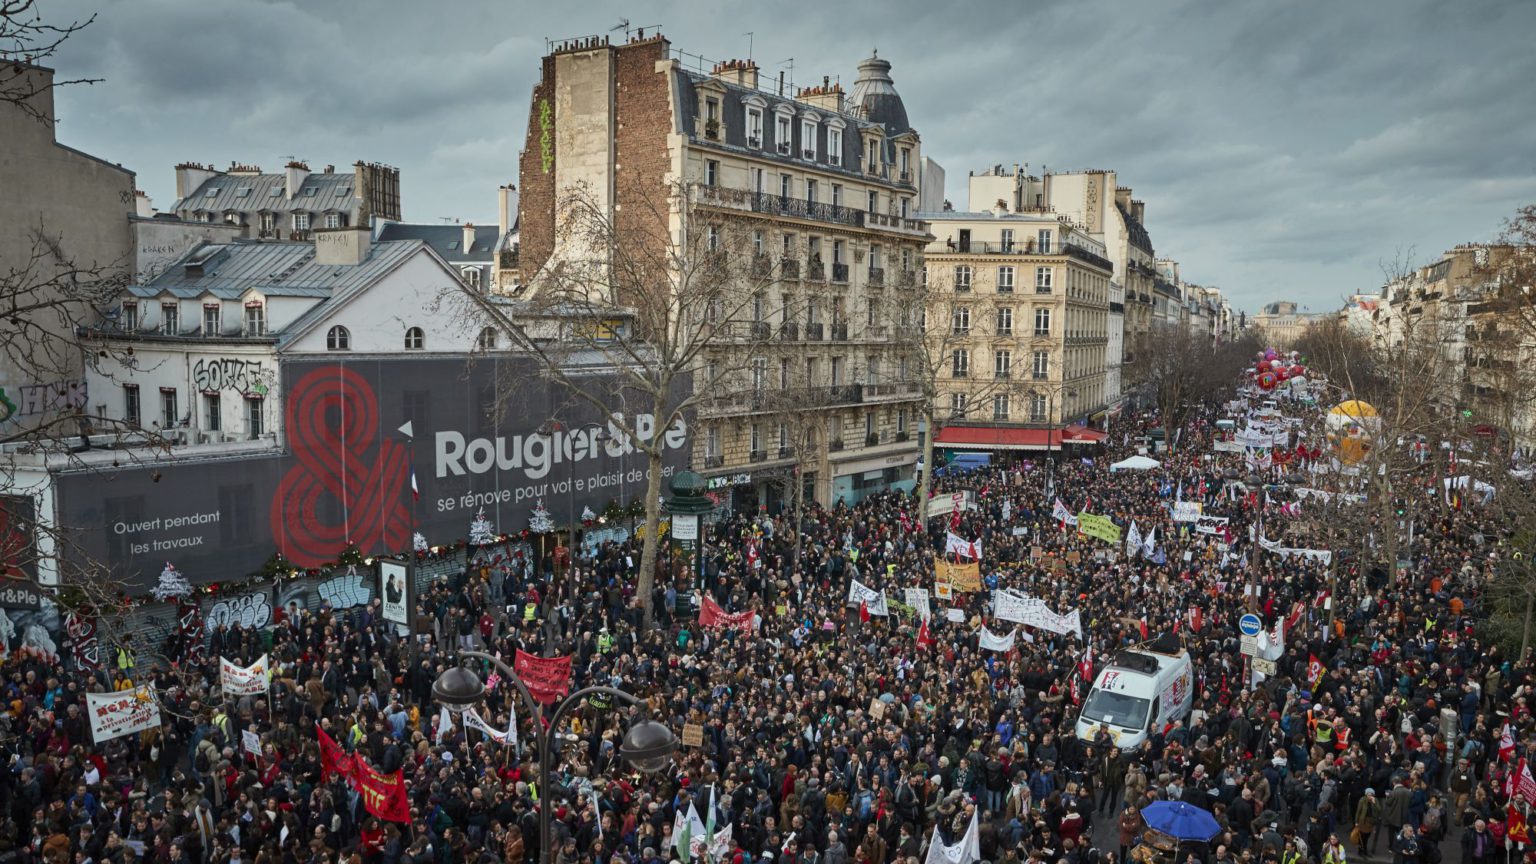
x: 536, y: 177
x: 643, y: 119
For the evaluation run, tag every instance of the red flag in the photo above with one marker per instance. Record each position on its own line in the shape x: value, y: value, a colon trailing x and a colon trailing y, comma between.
x: 1506, y: 743
x: 711, y: 615
x: 383, y: 794
x: 1143, y: 629
x: 1314, y: 673
x: 864, y: 611
x: 1525, y: 784
x: 924, y: 638
x: 1515, y: 827
x: 1196, y: 619
x: 334, y: 761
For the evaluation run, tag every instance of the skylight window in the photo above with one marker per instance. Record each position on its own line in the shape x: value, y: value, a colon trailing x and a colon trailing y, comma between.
x: 343, y: 190
x: 309, y: 191
x: 242, y: 191
x: 274, y: 191
x: 210, y: 193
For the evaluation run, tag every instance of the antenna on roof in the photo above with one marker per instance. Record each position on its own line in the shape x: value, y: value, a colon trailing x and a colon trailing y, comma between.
x: 622, y: 25
x: 791, y: 64
x: 448, y: 220
x: 749, y: 35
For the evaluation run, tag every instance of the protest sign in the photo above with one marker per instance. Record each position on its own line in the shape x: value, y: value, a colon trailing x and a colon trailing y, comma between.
x: 243, y: 680
x: 250, y: 742
x: 917, y: 598
x: 992, y: 642
x: 1098, y: 527
x: 548, y: 678
x: 1187, y: 511
x: 874, y: 601
x: 962, y: 576
x: 125, y: 712
x: 693, y: 735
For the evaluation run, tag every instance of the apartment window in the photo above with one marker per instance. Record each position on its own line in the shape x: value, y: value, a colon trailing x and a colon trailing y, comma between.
x: 837, y: 194
x: 1043, y: 280
x: 957, y: 404
x: 168, y: 413
x: 415, y: 339
x: 906, y: 208
x: 759, y: 373
x: 837, y: 371
x: 1007, y: 240
x: 906, y: 262
x: 781, y: 129
x: 835, y: 146
x: 130, y: 316
x: 783, y: 439
x: 253, y: 413
x: 874, y: 371
x: 1040, y: 366
x: 301, y: 221
x: 901, y: 422
x: 333, y: 220
x: 808, y: 139
x: 213, y: 418
x: 711, y: 172
x: 755, y: 433
x: 783, y: 373
x: 960, y: 363
x: 876, y: 257
x: 268, y: 223
x: 131, y: 404
x: 1042, y: 322
x: 487, y: 340
x: 1005, y: 321
x: 1002, y: 363
x: 1005, y: 280
x: 869, y: 424
x: 757, y: 179
x: 712, y: 111
x: 211, y: 319
x: 838, y: 251
x: 1037, y: 408
x: 963, y: 277
x: 874, y: 202
x: 757, y: 242
x: 874, y: 155
x: 786, y: 186
x: 338, y: 339
x: 810, y: 191
x: 960, y: 320
x: 755, y: 128
x: 901, y: 369
x: 471, y: 276
x: 712, y: 238
x: 1043, y: 240
x: 1000, y: 406
x: 255, y: 319
x: 712, y: 443
x: 170, y: 318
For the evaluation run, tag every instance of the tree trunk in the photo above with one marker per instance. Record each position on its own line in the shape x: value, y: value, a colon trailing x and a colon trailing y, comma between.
x: 797, y: 513
x: 1525, y: 631
x: 646, y: 582
x: 925, y: 488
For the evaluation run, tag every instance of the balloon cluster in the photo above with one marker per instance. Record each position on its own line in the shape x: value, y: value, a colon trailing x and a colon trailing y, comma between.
x: 1271, y: 368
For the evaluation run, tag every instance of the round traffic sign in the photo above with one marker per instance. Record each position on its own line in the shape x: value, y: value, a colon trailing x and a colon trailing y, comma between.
x: 1250, y: 625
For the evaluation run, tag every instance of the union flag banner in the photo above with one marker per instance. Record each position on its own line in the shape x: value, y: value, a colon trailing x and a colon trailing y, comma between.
x: 383, y: 794
x: 711, y: 615
x: 1515, y: 827
x: 548, y: 678
x: 334, y: 761
x: 962, y: 577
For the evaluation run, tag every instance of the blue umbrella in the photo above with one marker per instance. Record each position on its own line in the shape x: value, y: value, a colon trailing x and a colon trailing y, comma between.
x: 1180, y: 821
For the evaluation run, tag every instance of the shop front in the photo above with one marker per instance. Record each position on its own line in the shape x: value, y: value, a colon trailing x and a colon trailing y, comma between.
x: 855, y: 480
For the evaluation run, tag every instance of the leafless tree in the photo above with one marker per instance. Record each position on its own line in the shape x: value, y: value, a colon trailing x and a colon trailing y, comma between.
x: 27, y: 40
x: 1182, y: 371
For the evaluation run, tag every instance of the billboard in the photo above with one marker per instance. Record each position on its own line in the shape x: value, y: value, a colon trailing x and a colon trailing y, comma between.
x: 375, y: 448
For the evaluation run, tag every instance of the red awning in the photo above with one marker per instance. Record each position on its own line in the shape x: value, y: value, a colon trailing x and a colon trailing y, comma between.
x: 1013, y: 438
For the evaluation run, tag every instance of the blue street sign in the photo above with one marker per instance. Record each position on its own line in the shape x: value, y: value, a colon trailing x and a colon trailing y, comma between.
x: 1250, y: 625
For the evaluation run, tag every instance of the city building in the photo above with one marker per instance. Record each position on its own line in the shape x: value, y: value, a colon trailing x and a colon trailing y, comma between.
x: 66, y: 212
x: 1280, y: 323
x: 289, y: 205
x: 1018, y: 314
x: 469, y: 249
x: 826, y: 186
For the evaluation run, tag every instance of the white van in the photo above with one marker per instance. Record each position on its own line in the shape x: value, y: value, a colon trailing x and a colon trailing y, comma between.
x: 1139, y: 691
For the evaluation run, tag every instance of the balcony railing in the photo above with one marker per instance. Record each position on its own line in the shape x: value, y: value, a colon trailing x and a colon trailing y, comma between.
x: 872, y: 439
x: 789, y: 331
x: 839, y: 332
x: 759, y: 329
x: 877, y: 275
x: 815, y: 271
x: 789, y: 268
x: 757, y: 456
x: 834, y: 446
x: 813, y: 332
x: 762, y: 265
x: 882, y: 220
x: 714, y: 461
x: 779, y: 205
x: 839, y: 272
x: 785, y: 452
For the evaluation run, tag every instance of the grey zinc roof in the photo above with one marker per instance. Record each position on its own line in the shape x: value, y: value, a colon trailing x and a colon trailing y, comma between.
x: 446, y: 240
x: 278, y: 269
x: 332, y: 192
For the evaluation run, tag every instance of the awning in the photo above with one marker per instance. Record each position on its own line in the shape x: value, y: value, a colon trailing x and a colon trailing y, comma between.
x: 1013, y: 437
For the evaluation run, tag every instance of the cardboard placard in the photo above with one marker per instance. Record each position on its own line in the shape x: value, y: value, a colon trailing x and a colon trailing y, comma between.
x: 693, y: 735
x: 1074, y: 556
x: 1036, y: 552
x: 877, y: 708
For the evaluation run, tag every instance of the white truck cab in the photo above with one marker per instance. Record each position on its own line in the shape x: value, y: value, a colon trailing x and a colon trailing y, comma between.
x: 1142, y: 690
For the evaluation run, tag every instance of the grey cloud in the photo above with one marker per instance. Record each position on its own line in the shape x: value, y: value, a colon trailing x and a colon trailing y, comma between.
x: 1283, y: 147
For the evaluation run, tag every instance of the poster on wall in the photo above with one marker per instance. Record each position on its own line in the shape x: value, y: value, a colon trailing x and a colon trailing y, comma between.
x: 18, y: 555
x: 395, y: 589
x: 355, y: 431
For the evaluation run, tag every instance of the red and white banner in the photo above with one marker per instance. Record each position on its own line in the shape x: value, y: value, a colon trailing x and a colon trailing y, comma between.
x: 954, y: 544
x: 548, y: 678
x: 125, y: 712
x: 473, y: 720
x: 243, y: 680
x: 383, y: 794
x: 711, y: 615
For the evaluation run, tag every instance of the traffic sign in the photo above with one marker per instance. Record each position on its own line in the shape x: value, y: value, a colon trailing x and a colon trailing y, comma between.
x: 1250, y: 625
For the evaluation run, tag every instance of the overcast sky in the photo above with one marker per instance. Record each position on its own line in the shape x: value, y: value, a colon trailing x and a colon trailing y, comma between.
x: 1284, y: 149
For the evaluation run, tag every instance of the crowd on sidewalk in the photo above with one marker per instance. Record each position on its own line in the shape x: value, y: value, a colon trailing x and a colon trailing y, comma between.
x: 831, y: 735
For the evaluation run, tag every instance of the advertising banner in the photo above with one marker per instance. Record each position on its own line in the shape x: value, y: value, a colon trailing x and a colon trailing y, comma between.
x: 548, y: 678
x: 490, y: 434
x: 961, y: 577
x: 1098, y: 527
x: 395, y: 589
x: 125, y: 712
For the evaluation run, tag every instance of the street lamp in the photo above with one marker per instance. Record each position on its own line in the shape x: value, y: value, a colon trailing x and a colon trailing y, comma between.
x: 647, y: 746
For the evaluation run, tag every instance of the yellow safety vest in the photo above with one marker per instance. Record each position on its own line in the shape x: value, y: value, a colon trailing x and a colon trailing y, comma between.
x: 530, y: 611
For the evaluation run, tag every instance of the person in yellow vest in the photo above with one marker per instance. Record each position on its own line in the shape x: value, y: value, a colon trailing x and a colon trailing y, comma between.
x: 604, y: 642
x: 530, y: 612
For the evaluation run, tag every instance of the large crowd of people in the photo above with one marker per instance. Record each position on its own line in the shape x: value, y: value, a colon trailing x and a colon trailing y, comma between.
x: 835, y: 736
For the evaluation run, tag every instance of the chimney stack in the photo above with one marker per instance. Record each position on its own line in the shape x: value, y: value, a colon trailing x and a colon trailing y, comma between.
x: 469, y: 237
x: 191, y: 175
x: 297, y: 173
x: 506, y: 209
x: 345, y: 246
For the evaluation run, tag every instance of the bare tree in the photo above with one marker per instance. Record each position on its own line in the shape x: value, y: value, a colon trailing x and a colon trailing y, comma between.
x: 1182, y: 371
x: 678, y: 310
x: 27, y: 41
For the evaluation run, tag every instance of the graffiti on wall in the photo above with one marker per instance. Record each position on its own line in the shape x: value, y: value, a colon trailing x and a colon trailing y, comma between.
x: 213, y: 374
x: 33, y: 399
x: 252, y: 610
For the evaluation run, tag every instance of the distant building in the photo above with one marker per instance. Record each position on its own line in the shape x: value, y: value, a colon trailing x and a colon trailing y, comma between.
x: 469, y: 249
x: 1280, y: 323
x: 290, y: 205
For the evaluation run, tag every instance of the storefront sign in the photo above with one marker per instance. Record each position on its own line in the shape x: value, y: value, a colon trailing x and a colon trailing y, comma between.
x: 725, y: 481
x: 20, y: 595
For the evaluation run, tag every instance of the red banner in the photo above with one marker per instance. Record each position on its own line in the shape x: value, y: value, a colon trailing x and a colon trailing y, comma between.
x: 711, y: 615
x: 548, y: 678
x: 383, y: 794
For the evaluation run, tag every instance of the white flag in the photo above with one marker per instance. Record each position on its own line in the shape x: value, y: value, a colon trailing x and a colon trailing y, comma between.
x: 1133, y: 540
x: 686, y: 826
x: 1061, y: 514
x: 967, y: 851
x: 1149, y: 543
x: 954, y: 544
x: 858, y: 593
x: 444, y: 723
x: 993, y: 642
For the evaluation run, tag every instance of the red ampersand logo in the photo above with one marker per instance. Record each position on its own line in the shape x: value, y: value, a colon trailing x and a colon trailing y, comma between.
x: 332, y: 417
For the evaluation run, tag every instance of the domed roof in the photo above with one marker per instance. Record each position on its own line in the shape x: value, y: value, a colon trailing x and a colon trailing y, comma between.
x: 875, y: 93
